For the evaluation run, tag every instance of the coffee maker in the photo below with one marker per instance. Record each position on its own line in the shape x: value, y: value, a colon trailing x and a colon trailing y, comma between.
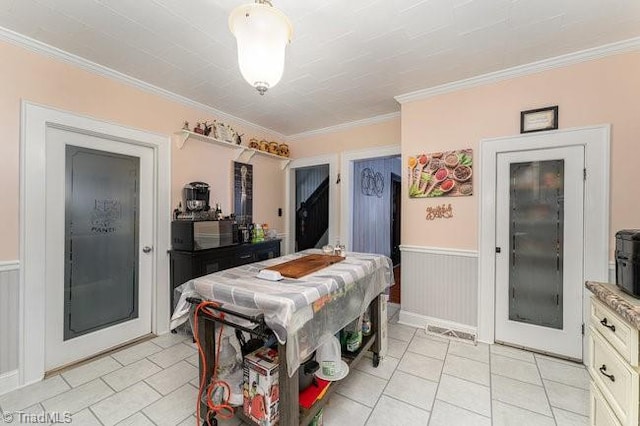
x: 196, y: 196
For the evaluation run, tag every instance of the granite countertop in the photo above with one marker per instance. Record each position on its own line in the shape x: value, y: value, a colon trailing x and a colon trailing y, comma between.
x: 626, y: 306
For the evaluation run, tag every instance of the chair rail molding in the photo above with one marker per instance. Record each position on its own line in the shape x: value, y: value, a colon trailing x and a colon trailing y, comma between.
x: 9, y: 265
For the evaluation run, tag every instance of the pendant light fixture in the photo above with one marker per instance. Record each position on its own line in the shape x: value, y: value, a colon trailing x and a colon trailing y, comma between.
x: 262, y: 32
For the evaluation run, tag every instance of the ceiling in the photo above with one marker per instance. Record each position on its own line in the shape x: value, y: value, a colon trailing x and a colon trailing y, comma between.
x: 348, y: 58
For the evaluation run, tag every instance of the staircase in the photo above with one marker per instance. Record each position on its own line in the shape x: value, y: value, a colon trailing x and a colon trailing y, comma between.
x: 312, y: 218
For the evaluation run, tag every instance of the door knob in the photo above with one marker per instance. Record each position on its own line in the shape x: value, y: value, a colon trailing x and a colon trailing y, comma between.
x: 147, y: 249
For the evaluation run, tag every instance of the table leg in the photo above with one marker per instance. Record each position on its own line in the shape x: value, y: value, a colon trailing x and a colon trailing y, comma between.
x: 376, y: 324
x: 289, y: 404
x: 206, y: 336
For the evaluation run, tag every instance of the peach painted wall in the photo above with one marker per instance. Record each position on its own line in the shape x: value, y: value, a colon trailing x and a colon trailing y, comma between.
x: 361, y: 137
x: 26, y: 75
x: 591, y: 93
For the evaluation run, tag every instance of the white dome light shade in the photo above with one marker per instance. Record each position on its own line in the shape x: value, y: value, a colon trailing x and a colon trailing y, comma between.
x: 262, y: 33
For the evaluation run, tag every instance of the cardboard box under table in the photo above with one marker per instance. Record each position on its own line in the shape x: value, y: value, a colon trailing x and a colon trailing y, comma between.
x: 261, y: 389
x: 298, y: 311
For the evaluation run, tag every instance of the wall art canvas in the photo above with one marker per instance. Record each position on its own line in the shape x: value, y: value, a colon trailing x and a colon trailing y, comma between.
x: 441, y: 174
x: 243, y: 192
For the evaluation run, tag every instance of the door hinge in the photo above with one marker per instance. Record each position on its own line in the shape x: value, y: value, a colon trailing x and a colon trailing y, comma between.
x: 582, y: 327
x: 584, y: 174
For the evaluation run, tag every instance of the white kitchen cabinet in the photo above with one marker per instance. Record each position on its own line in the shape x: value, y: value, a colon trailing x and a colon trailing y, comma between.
x: 613, y: 367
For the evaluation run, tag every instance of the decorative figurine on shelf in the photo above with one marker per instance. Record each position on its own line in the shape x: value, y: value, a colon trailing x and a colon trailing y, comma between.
x: 186, y: 126
x: 221, y: 131
x: 253, y: 143
x: 207, y: 128
x: 199, y: 130
x: 284, y: 150
x: 237, y: 138
x: 273, y: 148
x: 214, y: 130
x: 264, y: 145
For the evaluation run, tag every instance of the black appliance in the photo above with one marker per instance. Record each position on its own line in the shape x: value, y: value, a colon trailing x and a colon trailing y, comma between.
x: 196, y: 196
x: 628, y: 261
x: 204, y: 234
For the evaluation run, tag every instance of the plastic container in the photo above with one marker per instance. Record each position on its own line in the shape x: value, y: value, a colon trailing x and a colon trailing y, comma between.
x: 366, y: 323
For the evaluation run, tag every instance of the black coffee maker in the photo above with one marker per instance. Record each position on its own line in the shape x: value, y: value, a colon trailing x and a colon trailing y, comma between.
x: 196, y: 196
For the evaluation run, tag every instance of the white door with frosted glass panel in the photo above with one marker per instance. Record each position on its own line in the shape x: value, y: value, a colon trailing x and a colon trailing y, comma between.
x: 99, y: 242
x: 539, y: 250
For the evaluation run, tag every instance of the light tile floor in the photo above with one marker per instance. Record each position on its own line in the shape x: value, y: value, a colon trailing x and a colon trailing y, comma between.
x: 424, y: 380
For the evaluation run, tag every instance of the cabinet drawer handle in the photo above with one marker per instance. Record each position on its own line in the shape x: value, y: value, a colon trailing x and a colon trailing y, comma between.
x: 610, y: 376
x: 246, y: 256
x: 606, y: 324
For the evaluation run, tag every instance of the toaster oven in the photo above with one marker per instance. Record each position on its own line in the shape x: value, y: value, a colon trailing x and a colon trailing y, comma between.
x: 201, y: 235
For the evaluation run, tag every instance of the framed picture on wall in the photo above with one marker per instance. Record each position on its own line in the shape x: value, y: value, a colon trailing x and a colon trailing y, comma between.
x: 243, y: 192
x: 538, y: 120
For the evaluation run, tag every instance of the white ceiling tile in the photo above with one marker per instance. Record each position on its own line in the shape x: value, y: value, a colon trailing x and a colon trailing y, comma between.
x: 426, y: 17
x: 479, y: 14
x: 347, y: 59
x: 526, y: 12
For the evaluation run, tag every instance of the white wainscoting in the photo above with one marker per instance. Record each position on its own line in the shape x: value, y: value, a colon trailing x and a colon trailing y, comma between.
x: 9, y: 322
x: 439, y: 287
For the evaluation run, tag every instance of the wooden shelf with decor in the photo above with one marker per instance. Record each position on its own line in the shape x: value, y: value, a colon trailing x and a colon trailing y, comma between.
x: 244, y: 153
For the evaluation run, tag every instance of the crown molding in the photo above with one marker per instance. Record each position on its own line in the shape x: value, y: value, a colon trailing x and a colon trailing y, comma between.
x: 56, y: 53
x: 345, y: 126
x: 624, y: 46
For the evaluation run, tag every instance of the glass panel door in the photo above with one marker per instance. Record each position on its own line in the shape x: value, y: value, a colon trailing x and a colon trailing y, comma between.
x: 539, y: 249
x: 101, y: 240
x: 536, y: 245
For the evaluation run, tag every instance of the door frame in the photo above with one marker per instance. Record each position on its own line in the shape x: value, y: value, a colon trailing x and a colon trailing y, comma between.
x: 595, y: 140
x: 347, y: 190
x: 395, y: 178
x: 290, y: 191
x: 34, y: 121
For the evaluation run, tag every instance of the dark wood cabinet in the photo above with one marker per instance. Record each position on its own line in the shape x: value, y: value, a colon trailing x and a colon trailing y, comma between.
x: 187, y: 265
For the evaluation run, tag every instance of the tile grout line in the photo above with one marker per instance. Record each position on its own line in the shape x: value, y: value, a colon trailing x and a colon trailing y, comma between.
x: 118, y: 362
x: 490, y: 386
x: 526, y: 409
x: 88, y: 406
x: 553, y: 415
x: 148, y: 418
x: 388, y: 381
x: 468, y: 358
x: 107, y: 383
x: 65, y: 380
x: 564, y: 384
x: 521, y: 381
x: 435, y: 395
x: 95, y: 415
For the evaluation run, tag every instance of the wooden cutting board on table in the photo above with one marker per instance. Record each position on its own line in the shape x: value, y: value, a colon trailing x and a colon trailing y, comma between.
x: 305, y: 265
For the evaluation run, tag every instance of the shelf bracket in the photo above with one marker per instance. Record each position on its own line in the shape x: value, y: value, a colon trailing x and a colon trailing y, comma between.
x: 285, y: 163
x: 181, y: 138
x: 245, y: 155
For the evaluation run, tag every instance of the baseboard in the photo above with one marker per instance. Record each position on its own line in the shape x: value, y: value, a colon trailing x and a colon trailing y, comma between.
x: 422, y: 321
x: 8, y: 382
